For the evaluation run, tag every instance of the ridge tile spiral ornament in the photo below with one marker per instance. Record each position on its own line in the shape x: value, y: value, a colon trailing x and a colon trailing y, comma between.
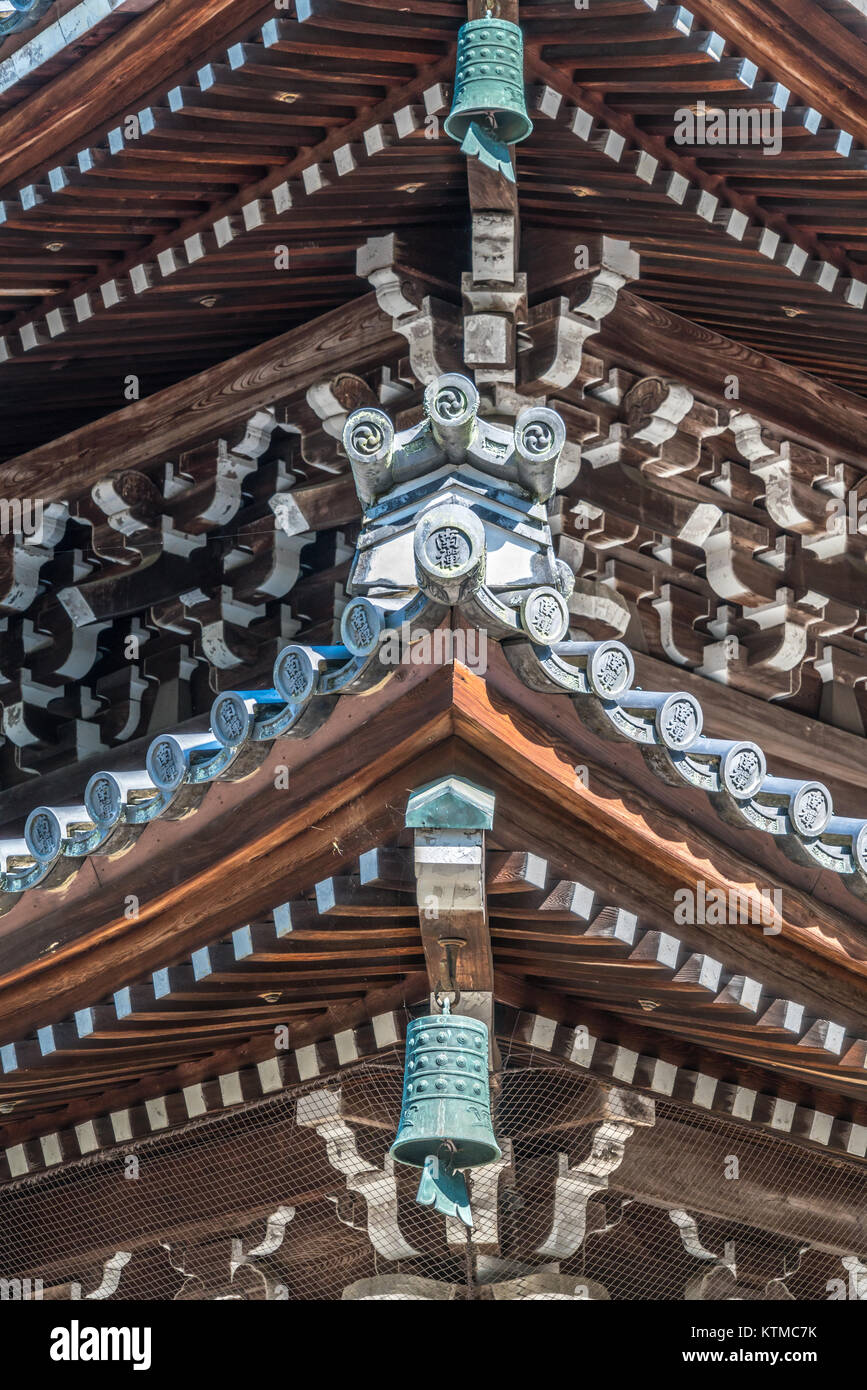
x: 489, y: 112
x: 445, y: 1117
x: 455, y: 515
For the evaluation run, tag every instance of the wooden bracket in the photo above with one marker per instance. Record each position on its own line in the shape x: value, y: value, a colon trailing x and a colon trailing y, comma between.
x: 450, y: 818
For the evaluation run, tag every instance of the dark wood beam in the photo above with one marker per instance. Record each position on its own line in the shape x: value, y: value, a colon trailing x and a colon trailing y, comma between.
x: 649, y: 338
x: 411, y: 989
x: 676, y: 1165
x: 249, y: 845
x: 354, y: 337
x: 801, y: 45
x: 113, y: 78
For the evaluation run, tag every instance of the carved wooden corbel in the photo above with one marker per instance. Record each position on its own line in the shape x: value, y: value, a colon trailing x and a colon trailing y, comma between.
x: 732, y: 570
x: 599, y: 266
x: 574, y: 1187
x: 667, y: 425
x: 678, y: 610
x: 323, y: 1111
x: 275, y: 1231
x: 431, y: 327
x: 332, y: 400
x: 204, y: 490
x: 24, y: 553
x: 112, y: 1272
x: 125, y: 517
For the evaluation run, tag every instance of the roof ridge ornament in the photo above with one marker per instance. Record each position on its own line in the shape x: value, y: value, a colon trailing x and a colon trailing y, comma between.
x: 455, y: 515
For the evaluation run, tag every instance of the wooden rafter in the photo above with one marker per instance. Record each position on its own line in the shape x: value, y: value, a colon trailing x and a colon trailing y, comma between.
x: 352, y: 337
x: 805, y: 48
x: 359, y: 794
x: 113, y: 76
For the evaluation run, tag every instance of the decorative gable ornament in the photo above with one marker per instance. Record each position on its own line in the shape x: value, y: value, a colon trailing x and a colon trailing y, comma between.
x: 455, y: 516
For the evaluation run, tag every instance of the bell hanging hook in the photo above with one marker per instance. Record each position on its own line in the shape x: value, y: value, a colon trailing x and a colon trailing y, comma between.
x: 451, y: 945
x: 442, y: 1001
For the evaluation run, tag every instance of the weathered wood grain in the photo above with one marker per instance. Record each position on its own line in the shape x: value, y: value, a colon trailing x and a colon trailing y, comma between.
x: 113, y: 75
x: 650, y: 338
x: 356, y: 336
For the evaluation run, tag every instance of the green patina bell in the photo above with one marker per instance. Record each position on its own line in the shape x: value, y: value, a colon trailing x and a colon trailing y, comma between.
x: 489, y: 83
x: 445, y: 1118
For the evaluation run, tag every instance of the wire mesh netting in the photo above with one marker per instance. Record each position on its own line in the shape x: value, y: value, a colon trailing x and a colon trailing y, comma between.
x: 600, y: 1194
